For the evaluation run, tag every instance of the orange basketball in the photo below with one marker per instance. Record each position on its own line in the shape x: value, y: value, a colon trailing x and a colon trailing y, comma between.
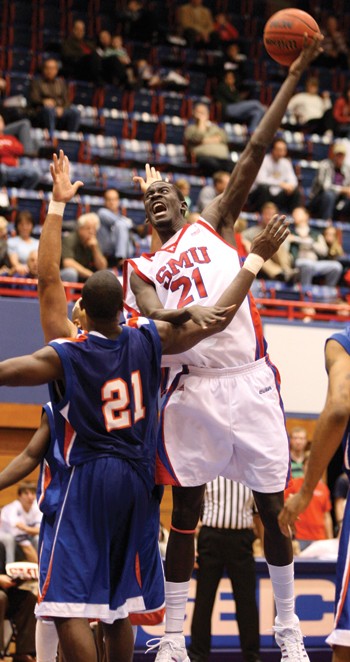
x: 284, y: 34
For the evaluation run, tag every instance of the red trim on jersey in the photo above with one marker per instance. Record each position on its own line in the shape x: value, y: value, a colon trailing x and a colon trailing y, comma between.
x: 148, y: 617
x: 132, y: 311
x: 344, y: 592
x: 68, y: 436
x: 210, y: 228
x: 163, y: 476
x: 239, y: 245
x: 41, y: 595
x: 257, y: 324
x: 141, y: 275
x: 138, y: 570
x: 45, y: 482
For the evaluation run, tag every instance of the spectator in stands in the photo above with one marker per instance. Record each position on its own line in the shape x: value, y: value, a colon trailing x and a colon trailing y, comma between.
x: 341, y: 114
x: 234, y: 60
x: 315, y: 523
x: 210, y: 191
x: 23, y: 243
x: 114, y: 232
x: 49, y: 98
x: 79, y: 56
x: 236, y: 108
x: 139, y: 23
x: 335, y: 46
x: 12, y: 173
x: 195, y: 24
x: 279, y: 267
x: 185, y: 188
x: 297, y: 445
x: 310, y: 111
x: 309, y: 251
x: 5, y: 262
x: 276, y: 181
x: 225, y: 29
x: 333, y: 243
x: 207, y: 143
x: 81, y: 253
x: 18, y: 606
x: 148, y: 76
x: 330, y: 190
x: 116, y: 63
x: 21, y: 518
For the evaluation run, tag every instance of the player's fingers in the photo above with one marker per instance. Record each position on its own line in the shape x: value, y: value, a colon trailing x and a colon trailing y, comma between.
x: 77, y: 185
x: 53, y: 171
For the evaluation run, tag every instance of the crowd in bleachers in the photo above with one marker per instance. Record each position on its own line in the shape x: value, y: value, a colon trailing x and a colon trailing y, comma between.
x: 118, y: 84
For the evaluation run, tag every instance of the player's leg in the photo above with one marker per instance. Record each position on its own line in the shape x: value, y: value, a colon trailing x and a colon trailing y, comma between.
x: 46, y: 641
x: 279, y: 556
x: 341, y: 654
x: 119, y: 640
x: 179, y: 561
x: 76, y: 639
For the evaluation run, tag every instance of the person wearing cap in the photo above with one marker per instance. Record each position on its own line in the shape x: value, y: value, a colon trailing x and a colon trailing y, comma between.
x: 330, y: 191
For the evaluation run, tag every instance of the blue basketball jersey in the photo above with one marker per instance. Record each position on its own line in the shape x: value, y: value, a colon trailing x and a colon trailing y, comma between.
x: 109, y: 403
x: 343, y: 338
x: 49, y: 483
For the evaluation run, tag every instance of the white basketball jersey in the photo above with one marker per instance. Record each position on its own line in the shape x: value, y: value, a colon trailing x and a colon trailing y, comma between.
x: 195, y: 267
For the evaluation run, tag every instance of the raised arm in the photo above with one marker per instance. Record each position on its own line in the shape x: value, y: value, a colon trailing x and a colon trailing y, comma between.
x: 328, y: 434
x: 52, y: 297
x: 32, y: 369
x: 264, y: 246
x: 30, y: 458
x: 223, y: 211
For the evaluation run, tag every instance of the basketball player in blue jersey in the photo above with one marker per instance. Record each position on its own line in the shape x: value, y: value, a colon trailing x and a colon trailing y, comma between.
x: 193, y: 265
x: 332, y: 428
x: 105, y: 389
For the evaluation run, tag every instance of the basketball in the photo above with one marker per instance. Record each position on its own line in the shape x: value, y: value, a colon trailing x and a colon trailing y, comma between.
x: 284, y: 34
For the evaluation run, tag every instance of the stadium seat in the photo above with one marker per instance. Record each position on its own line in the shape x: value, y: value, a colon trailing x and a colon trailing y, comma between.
x: 115, y: 122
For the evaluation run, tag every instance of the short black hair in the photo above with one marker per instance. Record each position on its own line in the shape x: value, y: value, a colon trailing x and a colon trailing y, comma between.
x: 102, y: 296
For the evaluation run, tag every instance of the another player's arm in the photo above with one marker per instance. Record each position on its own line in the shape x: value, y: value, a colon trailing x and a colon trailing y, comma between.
x: 223, y: 211
x: 264, y: 246
x: 52, y: 297
x: 328, y: 434
x: 32, y: 369
x: 30, y: 458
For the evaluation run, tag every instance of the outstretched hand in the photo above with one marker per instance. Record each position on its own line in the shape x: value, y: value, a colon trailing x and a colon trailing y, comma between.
x: 206, y: 316
x: 311, y: 50
x: 151, y: 175
x: 63, y: 190
x: 294, y: 505
x: 271, y: 238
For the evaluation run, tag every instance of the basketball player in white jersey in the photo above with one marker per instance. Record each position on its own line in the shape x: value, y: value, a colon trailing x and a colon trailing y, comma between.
x: 222, y: 412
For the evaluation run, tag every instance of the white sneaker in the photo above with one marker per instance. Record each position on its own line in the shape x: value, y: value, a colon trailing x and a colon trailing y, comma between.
x: 172, y: 648
x: 290, y: 641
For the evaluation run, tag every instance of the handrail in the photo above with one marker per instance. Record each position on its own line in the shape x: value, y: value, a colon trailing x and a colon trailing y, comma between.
x: 267, y: 306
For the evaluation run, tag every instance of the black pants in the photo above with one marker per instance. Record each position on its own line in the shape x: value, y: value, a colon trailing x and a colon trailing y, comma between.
x: 18, y: 605
x: 231, y: 549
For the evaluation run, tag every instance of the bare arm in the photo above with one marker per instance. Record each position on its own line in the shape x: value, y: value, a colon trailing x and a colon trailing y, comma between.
x: 223, y: 211
x: 264, y: 245
x: 32, y: 369
x: 28, y: 460
x: 329, y: 431
x: 52, y: 297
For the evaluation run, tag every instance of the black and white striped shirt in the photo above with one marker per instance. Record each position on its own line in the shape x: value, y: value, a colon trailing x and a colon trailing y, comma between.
x: 227, y: 505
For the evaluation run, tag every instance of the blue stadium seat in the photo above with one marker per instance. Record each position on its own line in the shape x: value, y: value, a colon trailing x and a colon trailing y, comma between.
x: 136, y: 151
x: 174, y: 128
x: 100, y: 148
x: 145, y: 126
x: 115, y: 122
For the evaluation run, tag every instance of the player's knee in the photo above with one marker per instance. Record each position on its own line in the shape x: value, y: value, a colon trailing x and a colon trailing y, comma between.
x: 269, y: 507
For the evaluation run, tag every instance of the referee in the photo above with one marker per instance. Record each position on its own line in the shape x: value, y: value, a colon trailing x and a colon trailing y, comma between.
x: 225, y: 542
